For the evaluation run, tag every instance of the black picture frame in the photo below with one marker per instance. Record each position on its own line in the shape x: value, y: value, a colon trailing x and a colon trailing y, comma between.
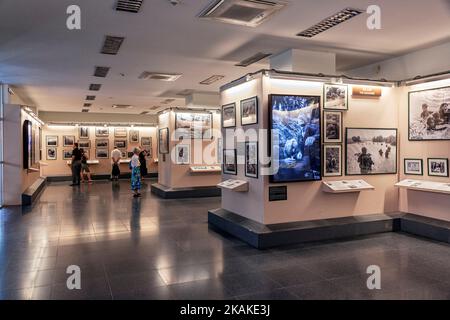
x: 325, y: 96
x: 231, y: 105
x: 234, y: 173
x: 165, y: 142
x: 409, y: 114
x: 435, y: 175
x: 56, y: 153
x: 82, y: 130
x: 412, y: 174
x: 255, y: 99
x: 255, y: 176
x: 56, y: 138
x: 269, y: 140
x: 324, y: 160
x: 120, y: 144
x: 341, y: 124
x: 370, y: 174
x: 104, y: 150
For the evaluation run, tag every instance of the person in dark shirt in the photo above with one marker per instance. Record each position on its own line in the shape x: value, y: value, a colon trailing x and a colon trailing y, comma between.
x: 76, y: 165
x: 143, y: 162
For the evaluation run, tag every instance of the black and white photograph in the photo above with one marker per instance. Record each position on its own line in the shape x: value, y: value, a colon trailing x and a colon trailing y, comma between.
x: 183, y: 154
x: 413, y: 167
x: 102, y: 132
x: 51, y: 141
x: 134, y: 136
x: 249, y: 111
x: 102, y: 153
x: 163, y: 140
x: 120, y: 132
x: 219, y: 151
x: 52, y: 153
x: 67, y: 154
x: 120, y: 144
x: 229, y: 116
x: 332, y: 127
x: 429, y: 114
x: 193, y: 125
x: 68, y: 141
x: 371, y: 151
x: 146, y: 141
x: 83, y: 133
x: 230, y: 162
x: 102, y: 143
x: 332, y: 160
x: 124, y: 154
x: 84, y: 144
x: 438, y: 167
x: 336, y: 97
x: 251, y: 159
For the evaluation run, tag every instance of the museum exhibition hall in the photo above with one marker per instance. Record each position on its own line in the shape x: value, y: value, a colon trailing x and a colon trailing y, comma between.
x: 224, y: 150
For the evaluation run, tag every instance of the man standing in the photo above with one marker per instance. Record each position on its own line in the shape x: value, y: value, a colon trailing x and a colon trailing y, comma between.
x: 76, y: 165
x: 116, y: 154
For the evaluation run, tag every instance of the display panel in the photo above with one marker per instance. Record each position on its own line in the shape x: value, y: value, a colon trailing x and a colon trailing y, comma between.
x: 429, y: 114
x: 183, y: 154
x: 332, y: 160
x: 371, y: 151
x: 193, y: 125
x: 296, y: 138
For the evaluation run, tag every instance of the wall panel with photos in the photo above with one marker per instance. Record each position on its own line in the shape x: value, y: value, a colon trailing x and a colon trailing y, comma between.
x: 98, y: 142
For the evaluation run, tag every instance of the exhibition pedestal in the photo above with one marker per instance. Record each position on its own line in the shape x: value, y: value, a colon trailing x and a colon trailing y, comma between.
x: 425, y: 186
x: 346, y: 186
x: 180, y: 193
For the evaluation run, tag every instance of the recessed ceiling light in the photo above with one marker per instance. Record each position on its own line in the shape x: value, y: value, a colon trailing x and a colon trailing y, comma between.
x: 330, y: 22
x: 212, y: 79
x: 253, y: 59
x: 112, y: 45
x: 146, y: 75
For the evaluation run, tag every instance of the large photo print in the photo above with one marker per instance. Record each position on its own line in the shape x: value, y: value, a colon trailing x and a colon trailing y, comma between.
x: 371, y: 151
x: 296, y: 137
x: 429, y: 114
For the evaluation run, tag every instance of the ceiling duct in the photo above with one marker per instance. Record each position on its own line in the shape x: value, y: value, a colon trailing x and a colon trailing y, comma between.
x: 90, y: 98
x: 95, y: 87
x: 101, y: 72
x: 212, y: 79
x: 330, y: 22
x: 169, y: 77
x: 253, y: 59
x: 112, y: 45
x: 129, y: 5
x: 87, y: 105
x: 250, y: 13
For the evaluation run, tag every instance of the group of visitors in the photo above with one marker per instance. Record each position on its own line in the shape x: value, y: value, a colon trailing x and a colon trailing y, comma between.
x: 138, y: 167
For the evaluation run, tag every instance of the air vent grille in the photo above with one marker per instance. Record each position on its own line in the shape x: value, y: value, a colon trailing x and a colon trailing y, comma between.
x: 129, y: 5
x: 212, y: 79
x: 253, y: 59
x: 87, y: 105
x: 170, y: 77
x: 112, y: 45
x: 95, y: 87
x: 330, y: 22
x: 167, y: 101
x: 122, y: 106
x: 145, y: 113
x: 101, y: 72
x: 90, y: 98
x: 85, y: 110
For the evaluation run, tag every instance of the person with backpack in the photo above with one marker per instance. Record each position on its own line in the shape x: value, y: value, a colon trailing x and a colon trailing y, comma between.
x: 135, y: 167
x: 365, y: 161
x: 85, y: 167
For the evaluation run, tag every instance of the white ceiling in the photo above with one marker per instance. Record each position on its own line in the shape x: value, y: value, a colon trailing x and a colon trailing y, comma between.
x: 51, y: 67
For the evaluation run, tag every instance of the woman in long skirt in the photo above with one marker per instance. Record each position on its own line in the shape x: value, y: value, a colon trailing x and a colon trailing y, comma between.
x: 135, y: 167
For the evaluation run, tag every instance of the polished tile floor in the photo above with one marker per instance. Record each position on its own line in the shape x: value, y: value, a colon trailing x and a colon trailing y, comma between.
x: 150, y: 248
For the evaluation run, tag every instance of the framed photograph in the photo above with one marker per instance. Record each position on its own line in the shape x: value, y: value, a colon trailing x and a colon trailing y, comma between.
x: 438, y: 167
x: 251, y: 160
x: 332, y: 160
x: 69, y: 141
x: 83, y: 133
x: 219, y: 151
x: 193, y: 125
x: 249, y: 111
x: 183, y: 154
x: 134, y: 136
x: 102, y: 153
x: 124, y: 154
x: 332, y: 127
x: 230, y: 162
x: 414, y: 167
x: 336, y: 97
x: 120, y: 132
x: 229, y: 116
x: 146, y: 141
x: 149, y: 153
x: 429, y: 114
x: 52, y: 153
x: 51, y: 141
x: 102, y: 143
x: 164, y: 141
x: 84, y: 144
x: 296, y: 138
x: 371, y: 151
x: 67, y: 154
x: 120, y: 144
x: 102, y: 132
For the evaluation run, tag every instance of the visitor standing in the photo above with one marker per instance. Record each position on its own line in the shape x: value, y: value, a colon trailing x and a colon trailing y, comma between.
x: 85, y: 167
x: 143, y: 162
x: 76, y: 165
x: 135, y: 173
x: 116, y: 155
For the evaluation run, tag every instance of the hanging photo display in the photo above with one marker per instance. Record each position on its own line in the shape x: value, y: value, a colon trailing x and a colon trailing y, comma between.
x: 67, y: 154
x: 134, y: 136
x: 51, y: 141
x: 429, y: 114
x: 101, y: 153
x: 251, y: 159
x: 102, y: 143
x: 229, y: 116
x: 83, y: 133
x: 193, y: 125
x: 332, y: 160
x: 296, y: 138
x: 120, y: 144
x: 249, y: 111
x: 332, y: 127
x: 84, y: 144
x: 336, y: 97
x: 230, y: 162
x: 414, y: 167
x: 120, y: 132
x: 183, y: 154
x: 371, y: 151
x: 102, y: 132
x: 438, y: 167
x: 164, y: 141
x: 52, y: 153
x: 146, y: 141
x: 69, y: 141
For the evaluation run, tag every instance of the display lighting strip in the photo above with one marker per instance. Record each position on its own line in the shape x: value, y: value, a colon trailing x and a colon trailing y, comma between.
x: 97, y: 125
x: 187, y: 110
x: 31, y: 113
x: 424, y: 79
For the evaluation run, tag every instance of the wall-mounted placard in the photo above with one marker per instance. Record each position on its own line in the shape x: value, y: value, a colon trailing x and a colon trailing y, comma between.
x: 278, y: 193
